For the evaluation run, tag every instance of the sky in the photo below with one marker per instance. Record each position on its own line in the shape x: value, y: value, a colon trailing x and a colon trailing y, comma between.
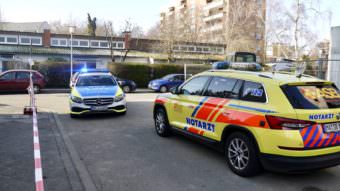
x: 145, y: 13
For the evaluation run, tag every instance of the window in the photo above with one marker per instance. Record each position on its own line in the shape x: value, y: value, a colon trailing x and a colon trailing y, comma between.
x: 253, y: 92
x: 2, y: 39
x: 184, y: 48
x: 195, y: 86
x: 192, y: 49
x: 114, y: 45
x: 83, y: 43
x: 313, y: 96
x: 206, y: 49
x: 199, y: 49
x: 221, y: 87
x: 94, y: 43
x: 178, y: 78
x: 120, y: 45
x: 55, y: 42
x: 8, y: 76
x: 75, y: 43
x: 36, y: 41
x: 25, y: 40
x: 23, y: 75
x: 104, y: 44
x: 12, y: 40
x: 62, y: 42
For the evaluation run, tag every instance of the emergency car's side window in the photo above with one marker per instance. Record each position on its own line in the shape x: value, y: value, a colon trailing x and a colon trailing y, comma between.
x: 221, y: 87
x: 195, y: 86
x: 254, y: 92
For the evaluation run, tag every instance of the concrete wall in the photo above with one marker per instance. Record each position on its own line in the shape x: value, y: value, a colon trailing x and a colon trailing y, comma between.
x: 334, y: 66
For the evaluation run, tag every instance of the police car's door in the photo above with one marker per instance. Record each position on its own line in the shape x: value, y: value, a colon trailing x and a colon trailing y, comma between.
x: 185, y: 103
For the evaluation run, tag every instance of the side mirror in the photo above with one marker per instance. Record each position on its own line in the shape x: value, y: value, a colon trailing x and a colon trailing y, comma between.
x: 175, y: 90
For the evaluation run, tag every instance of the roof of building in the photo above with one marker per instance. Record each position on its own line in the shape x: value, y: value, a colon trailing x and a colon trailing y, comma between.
x: 24, y: 27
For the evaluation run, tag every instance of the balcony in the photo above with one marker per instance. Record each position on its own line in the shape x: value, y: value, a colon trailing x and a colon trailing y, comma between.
x: 213, y: 28
x: 214, y: 4
x: 213, y: 17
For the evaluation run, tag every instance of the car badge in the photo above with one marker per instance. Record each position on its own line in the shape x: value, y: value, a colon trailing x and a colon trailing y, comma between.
x: 99, y: 101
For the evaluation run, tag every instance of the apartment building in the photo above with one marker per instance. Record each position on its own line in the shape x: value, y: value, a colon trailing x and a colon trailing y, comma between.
x: 239, y: 24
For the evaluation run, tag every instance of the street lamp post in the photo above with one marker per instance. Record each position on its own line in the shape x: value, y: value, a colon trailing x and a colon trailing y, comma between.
x: 71, y: 30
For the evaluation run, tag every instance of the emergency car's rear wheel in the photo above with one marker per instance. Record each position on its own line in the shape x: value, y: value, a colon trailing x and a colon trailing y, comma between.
x: 241, y: 155
x: 161, y: 123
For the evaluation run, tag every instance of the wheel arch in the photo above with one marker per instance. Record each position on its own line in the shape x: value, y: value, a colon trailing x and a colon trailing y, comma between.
x: 158, y: 106
x: 230, y: 129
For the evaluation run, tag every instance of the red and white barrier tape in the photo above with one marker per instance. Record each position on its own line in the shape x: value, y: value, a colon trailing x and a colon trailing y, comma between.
x: 39, y: 183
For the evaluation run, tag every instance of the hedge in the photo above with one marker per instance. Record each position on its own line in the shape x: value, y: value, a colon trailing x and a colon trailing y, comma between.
x: 143, y: 73
x: 58, y: 73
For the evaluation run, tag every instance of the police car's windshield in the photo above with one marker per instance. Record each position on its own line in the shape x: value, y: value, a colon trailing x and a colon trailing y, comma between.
x: 96, y: 80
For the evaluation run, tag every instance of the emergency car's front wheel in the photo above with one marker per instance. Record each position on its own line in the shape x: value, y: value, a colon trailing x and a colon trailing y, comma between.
x: 241, y: 155
x: 161, y: 123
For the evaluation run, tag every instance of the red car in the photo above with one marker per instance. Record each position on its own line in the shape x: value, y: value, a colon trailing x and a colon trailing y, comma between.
x: 18, y: 80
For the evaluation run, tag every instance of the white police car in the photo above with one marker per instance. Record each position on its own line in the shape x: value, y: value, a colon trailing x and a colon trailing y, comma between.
x: 96, y: 92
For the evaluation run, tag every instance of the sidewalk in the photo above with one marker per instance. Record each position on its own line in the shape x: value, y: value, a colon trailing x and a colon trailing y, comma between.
x: 16, y: 155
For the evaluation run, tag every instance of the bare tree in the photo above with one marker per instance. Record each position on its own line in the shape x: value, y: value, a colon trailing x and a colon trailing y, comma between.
x: 153, y: 32
x: 241, y: 24
x: 109, y: 33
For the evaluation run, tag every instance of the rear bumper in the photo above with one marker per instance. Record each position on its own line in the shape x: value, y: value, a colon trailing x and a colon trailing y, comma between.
x: 299, y: 164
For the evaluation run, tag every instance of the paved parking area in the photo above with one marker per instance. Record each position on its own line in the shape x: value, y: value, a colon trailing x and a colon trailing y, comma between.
x: 124, y: 153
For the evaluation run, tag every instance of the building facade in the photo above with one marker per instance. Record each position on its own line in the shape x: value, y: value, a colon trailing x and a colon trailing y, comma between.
x: 334, y: 63
x: 95, y: 51
x: 240, y: 24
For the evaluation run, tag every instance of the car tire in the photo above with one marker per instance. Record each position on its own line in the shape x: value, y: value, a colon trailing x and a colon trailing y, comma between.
x: 36, y: 89
x: 162, y: 125
x: 241, y: 155
x: 126, y: 89
x: 73, y: 116
x: 163, y: 89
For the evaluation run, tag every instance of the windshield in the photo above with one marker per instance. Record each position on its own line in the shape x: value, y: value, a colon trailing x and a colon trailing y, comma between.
x: 313, y: 97
x: 96, y: 80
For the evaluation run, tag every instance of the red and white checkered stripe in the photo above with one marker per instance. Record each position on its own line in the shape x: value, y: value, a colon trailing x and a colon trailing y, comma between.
x: 39, y: 183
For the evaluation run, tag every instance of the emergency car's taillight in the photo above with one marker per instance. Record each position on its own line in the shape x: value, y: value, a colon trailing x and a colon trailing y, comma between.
x: 286, y: 123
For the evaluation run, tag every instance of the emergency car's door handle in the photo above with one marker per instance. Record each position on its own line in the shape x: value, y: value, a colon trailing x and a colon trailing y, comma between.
x: 191, y: 106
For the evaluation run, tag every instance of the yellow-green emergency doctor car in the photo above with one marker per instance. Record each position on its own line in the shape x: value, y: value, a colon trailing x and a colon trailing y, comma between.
x: 96, y: 92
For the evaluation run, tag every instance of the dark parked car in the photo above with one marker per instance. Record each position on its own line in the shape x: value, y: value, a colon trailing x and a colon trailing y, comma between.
x: 166, y: 83
x: 18, y: 81
x: 128, y: 86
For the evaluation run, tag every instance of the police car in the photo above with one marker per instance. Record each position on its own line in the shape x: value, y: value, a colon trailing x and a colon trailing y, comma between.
x: 96, y: 92
x: 272, y: 120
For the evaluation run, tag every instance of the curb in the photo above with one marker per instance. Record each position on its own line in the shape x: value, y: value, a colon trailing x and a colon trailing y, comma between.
x: 84, y: 175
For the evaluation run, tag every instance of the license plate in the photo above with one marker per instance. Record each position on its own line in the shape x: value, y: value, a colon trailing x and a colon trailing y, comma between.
x: 99, y: 108
x: 331, y: 128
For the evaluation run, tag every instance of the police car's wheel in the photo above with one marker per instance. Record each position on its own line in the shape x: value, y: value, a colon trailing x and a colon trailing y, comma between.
x: 163, y: 89
x: 126, y: 89
x: 161, y: 123
x: 241, y: 155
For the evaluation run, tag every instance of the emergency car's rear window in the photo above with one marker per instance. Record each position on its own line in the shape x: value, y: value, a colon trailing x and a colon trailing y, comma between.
x: 313, y: 96
x: 100, y: 80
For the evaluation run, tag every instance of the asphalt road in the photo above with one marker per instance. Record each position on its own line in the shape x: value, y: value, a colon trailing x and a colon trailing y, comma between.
x: 124, y: 153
